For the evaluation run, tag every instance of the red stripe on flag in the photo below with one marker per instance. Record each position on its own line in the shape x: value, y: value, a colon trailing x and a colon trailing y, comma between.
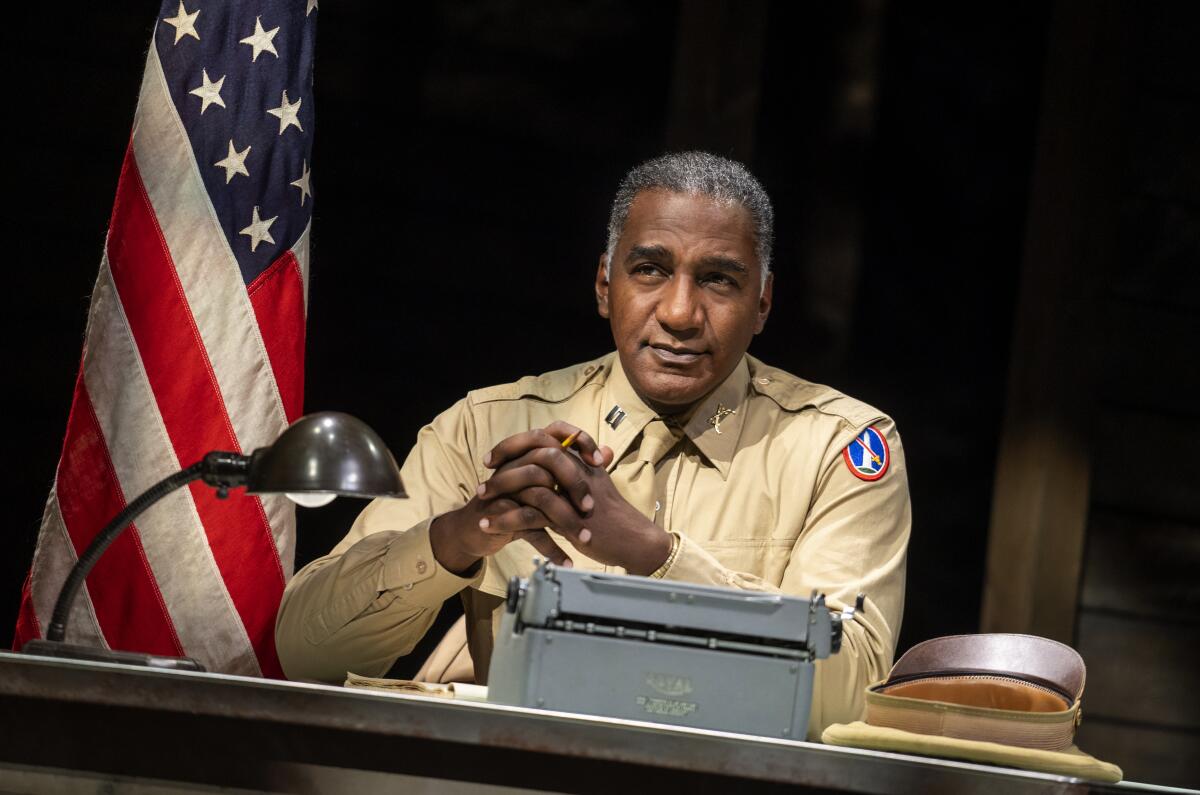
x: 27, y: 623
x: 277, y: 295
x: 192, y: 407
x: 128, y: 604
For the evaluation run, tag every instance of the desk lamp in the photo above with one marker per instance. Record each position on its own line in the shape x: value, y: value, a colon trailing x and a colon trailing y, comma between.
x: 319, y: 457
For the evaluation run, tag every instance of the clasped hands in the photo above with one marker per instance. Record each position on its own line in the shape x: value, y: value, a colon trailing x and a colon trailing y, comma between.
x: 537, y: 484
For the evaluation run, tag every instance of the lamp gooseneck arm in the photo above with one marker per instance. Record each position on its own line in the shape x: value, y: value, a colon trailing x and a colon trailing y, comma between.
x: 220, y: 470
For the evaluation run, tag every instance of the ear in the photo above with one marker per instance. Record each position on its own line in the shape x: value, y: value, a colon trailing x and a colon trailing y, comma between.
x: 764, y: 303
x: 602, y: 286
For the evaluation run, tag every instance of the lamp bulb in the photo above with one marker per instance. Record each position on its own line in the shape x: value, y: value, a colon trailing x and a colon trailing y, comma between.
x: 313, y: 499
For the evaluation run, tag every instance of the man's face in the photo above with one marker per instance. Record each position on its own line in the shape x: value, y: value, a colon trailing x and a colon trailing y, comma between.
x: 683, y: 296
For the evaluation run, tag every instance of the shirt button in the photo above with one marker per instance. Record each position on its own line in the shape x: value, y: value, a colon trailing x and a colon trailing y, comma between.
x: 764, y: 381
x: 421, y: 566
x: 588, y: 370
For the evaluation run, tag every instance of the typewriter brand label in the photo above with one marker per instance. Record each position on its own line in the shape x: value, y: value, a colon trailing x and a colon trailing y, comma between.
x: 669, y: 684
x: 666, y: 706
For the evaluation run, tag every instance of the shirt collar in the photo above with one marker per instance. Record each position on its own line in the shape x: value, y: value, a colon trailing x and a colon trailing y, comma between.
x: 620, y: 396
x: 724, y: 409
x: 728, y: 399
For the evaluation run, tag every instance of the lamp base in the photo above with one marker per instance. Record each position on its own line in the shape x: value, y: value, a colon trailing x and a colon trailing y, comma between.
x: 51, y: 648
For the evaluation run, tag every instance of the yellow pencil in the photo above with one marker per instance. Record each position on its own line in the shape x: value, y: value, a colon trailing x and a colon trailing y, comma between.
x: 567, y: 443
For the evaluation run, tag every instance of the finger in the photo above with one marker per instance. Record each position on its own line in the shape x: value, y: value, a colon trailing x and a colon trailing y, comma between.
x: 522, y: 517
x: 583, y: 443
x: 494, y: 509
x: 518, y: 445
x: 566, y: 471
x: 569, y: 472
x: 560, y: 514
x: 543, y: 543
x: 606, y: 456
x: 514, y: 477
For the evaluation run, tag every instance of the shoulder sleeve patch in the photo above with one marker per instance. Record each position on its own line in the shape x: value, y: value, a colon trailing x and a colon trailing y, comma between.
x: 868, y: 456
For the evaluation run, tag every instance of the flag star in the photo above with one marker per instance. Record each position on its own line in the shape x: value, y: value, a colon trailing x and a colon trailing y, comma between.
x: 261, y: 40
x: 257, y: 231
x: 208, y: 91
x: 303, y: 184
x: 311, y: 5
x: 287, y: 113
x: 234, y: 163
x: 185, y: 23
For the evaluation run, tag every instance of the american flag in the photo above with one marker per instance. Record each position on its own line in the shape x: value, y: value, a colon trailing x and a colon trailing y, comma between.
x: 195, y: 342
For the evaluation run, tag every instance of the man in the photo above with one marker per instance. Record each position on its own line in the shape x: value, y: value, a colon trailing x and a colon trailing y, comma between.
x: 693, y: 461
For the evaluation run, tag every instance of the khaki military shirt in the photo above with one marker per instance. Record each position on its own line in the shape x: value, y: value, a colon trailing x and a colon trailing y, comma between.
x: 782, y: 499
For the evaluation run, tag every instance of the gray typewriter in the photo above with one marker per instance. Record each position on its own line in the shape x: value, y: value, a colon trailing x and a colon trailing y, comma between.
x: 657, y: 650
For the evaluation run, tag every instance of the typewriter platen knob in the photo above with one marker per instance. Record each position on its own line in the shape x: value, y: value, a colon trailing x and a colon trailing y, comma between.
x: 513, y: 600
x: 836, y: 620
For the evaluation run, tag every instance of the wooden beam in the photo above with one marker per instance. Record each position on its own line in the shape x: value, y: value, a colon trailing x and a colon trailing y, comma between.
x: 1040, y: 499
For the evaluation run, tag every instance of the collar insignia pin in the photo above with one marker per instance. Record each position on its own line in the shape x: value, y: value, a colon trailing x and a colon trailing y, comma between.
x: 615, y: 415
x: 720, y: 414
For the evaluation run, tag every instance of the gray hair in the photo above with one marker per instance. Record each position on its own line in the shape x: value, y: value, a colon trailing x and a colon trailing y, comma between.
x: 697, y: 173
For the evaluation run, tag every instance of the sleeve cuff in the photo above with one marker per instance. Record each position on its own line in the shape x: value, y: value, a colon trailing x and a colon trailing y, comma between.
x: 412, y: 572
x: 694, y: 564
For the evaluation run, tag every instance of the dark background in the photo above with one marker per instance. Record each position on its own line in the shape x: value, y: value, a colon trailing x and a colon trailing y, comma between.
x: 465, y: 156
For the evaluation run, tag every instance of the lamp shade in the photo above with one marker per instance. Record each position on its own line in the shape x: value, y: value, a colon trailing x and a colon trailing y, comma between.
x: 326, y: 453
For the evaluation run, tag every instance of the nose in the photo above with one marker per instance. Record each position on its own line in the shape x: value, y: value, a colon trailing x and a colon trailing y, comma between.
x: 679, y: 308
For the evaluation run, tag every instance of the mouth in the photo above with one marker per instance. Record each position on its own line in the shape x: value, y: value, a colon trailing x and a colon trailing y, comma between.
x: 674, y: 354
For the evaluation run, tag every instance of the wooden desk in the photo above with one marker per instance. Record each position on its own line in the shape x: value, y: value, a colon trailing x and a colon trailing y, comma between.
x: 65, y: 722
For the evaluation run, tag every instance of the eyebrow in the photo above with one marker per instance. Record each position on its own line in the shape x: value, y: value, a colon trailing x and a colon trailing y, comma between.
x: 648, y: 252
x: 662, y: 253
x: 725, y: 264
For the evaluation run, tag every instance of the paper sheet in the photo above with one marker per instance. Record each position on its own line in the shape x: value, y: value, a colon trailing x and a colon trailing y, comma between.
x: 457, y: 690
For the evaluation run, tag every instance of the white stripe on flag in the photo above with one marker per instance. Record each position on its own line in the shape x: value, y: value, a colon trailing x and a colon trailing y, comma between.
x: 208, y: 271
x: 281, y: 515
x: 300, y: 250
x: 172, y: 535
x: 52, y: 562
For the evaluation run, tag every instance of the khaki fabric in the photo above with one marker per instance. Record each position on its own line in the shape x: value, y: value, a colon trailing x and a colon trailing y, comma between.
x: 451, y: 660
x: 1046, y: 730
x: 1068, y: 762
x: 642, y: 482
x: 768, y: 504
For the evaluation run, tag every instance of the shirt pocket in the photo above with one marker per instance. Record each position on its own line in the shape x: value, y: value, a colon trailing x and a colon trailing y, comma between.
x: 766, y: 558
